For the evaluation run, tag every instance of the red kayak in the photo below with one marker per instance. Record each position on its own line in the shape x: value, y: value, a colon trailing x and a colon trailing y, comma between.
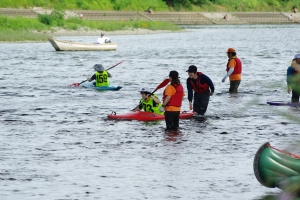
x: 146, y: 116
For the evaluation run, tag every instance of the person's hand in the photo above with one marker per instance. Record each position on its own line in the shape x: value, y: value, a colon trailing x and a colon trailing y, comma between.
x: 191, y: 106
x: 289, y: 90
x: 161, y: 109
x: 223, y: 80
x: 212, y: 93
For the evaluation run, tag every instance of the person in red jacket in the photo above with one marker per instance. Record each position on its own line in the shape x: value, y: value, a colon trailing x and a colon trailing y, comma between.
x: 203, y: 88
x: 234, y: 71
x: 172, y: 101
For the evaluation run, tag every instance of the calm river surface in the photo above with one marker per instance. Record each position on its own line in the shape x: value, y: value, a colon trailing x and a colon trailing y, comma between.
x: 57, y: 143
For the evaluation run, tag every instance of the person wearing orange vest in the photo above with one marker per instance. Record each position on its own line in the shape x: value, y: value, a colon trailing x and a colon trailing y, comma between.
x: 203, y: 88
x: 172, y: 101
x: 234, y: 71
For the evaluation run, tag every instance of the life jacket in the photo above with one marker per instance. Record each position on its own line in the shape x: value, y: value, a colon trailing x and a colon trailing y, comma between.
x: 148, y: 106
x: 199, y: 88
x: 176, y: 99
x: 102, y: 79
x: 237, y: 68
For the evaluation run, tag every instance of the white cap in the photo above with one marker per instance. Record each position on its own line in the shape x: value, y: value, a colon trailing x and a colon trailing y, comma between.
x: 297, y: 55
x: 145, y: 89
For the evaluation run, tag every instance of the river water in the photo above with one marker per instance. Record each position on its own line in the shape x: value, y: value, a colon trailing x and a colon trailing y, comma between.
x: 57, y: 143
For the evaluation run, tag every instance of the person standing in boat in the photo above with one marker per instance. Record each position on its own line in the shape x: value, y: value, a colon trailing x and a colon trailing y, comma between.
x: 149, y: 102
x: 172, y: 101
x: 293, y: 78
x: 234, y: 71
x: 102, y: 39
x: 203, y: 88
x: 101, y: 76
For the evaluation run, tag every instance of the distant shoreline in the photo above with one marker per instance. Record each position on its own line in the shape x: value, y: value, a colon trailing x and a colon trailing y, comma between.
x: 63, y: 32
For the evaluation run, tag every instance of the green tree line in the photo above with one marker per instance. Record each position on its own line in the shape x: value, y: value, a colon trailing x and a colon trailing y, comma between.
x: 159, y: 5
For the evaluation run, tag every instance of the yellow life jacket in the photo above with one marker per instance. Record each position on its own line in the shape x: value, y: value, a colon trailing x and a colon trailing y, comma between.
x: 149, y: 106
x: 102, y: 79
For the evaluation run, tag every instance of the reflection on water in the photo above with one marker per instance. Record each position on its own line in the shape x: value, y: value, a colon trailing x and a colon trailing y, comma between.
x: 57, y: 138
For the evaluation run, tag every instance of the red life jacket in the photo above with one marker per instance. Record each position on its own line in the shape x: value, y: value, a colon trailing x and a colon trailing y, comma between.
x: 199, y: 88
x: 237, y: 68
x: 176, y: 99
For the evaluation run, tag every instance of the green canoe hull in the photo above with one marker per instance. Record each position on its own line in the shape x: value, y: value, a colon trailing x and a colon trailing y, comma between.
x: 274, y: 169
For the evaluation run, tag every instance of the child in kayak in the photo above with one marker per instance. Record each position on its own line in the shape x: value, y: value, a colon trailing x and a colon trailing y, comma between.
x: 101, y: 76
x: 149, y: 102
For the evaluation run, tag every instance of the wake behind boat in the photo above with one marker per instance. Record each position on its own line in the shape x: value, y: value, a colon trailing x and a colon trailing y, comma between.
x: 65, y: 45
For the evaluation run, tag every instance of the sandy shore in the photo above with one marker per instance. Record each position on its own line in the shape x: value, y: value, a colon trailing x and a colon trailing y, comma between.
x: 82, y: 32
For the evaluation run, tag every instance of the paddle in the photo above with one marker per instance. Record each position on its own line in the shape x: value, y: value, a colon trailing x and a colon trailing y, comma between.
x: 161, y: 85
x: 78, y: 84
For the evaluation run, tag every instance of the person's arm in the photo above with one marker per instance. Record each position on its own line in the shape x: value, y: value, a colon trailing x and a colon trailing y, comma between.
x: 139, y: 107
x: 190, y: 93
x: 107, y: 40
x: 289, y: 74
x: 210, y: 84
x: 190, y: 90
x: 166, y: 101
x: 109, y: 74
x: 231, y: 66
x: 92, y: 78
x: 228, y: 74
x: 155, y: 99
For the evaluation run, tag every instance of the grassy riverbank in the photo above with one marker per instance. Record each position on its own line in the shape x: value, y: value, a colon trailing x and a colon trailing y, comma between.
x: 160, y: 5
x: 14, y: 29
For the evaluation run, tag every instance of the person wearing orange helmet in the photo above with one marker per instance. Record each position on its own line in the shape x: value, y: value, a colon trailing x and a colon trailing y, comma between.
x: 234, y: 71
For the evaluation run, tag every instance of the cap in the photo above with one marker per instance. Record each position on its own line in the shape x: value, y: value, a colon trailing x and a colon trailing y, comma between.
x: 297, y: 55
x: 192, y: 68
x: 230, y: 50
x: 145, y: 89
x: 174, y: 74
x: 99, y: 67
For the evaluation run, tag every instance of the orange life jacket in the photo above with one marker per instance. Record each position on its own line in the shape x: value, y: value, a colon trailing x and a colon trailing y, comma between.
x: 237, y: 68
x: 176, y: 99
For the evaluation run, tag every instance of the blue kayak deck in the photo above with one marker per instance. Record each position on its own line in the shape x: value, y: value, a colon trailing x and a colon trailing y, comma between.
x: 91, y: 85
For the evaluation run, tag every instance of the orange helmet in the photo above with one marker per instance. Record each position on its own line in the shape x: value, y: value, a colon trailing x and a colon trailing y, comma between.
x: 230, y: 50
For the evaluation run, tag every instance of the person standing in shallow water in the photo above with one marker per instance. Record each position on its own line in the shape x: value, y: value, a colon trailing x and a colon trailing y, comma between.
x: 203, y: 88
x: 234, y: 71
x: 293, y: 78
x: 172, y: 101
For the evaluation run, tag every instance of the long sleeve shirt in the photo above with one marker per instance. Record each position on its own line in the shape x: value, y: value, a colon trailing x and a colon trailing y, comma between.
x: 203, y: 79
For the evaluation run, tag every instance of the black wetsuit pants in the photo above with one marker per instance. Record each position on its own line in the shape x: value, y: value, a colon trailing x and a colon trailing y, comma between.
x: 172, y: 120
x: 201, y: 101
x: 295, y: 95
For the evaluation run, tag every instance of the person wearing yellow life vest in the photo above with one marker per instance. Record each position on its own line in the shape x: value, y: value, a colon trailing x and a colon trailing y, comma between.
x: 101, y: 76
x: 203, y: 88
x: 234, y: 71
x: 172, y: 101
x: 149, y: 102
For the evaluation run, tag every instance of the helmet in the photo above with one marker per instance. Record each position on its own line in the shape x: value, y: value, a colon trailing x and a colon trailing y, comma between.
x: 99, y: 67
